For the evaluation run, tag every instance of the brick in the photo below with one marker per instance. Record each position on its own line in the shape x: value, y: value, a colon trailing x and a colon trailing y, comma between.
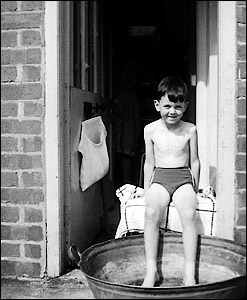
x: 18, y: 21
x: 241, y: 107
x: 21, y: 161
x: 241, y: 125
x: 31, y: 144
x: 241, y: 198
x: 241, y: 89
x: 30, y: 269
x: 13, y: 232
x: 5, y: 232
x: 34, y: 233
x: 241, y: 70
x: 241, y: 33
x: 32, y: 251
x: 30, y: 38
x: 9, y: 109
x: 33, y: 109
x: 241, y: 144
x: 20, y: 268
x: 8, y: 74
x: 13, y: 57
x: 17, y: 232
x: 8, y: 39
x: 8, y: 268
x: 241, y: 49
x: 25, y: 91
x: 9, y: 214
x: 241, y: 219
x: 240, y: 180
x: 240, y: 162
x: 8, y: 6
x: 5, y: 195
x: 241, y: 14
x: 9, y: 144
x: 29, y: 161
x: 22, y: 196
x: 9, y: 179
x: 27, y: 56
x: 28, y: 127
x: 32, y: 5
x: 33, y: 56
x: 9, y: 126
x: 10, y: 250
x: 34, y: 179
x: 33, y: 215
x: 31, y: 73
x: 240, y: 236
x: 9, y: 162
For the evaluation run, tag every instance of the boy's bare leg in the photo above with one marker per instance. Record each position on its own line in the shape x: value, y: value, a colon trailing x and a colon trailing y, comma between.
x: 185, y: 201
x: 156, y: 200
x: 151, y: 239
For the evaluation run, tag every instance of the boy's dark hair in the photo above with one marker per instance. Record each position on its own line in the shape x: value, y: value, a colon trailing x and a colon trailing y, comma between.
x: 175, y: 89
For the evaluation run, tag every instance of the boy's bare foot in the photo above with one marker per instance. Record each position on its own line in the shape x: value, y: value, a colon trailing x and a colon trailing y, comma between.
x: 150, y: 279
x: 189, y: 281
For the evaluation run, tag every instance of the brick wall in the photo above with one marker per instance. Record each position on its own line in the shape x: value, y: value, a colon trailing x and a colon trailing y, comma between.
x: 22, y: 106
x: 240, y: 229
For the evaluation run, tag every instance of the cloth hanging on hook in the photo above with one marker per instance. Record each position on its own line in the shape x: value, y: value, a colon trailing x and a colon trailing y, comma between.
x: 95, y: 159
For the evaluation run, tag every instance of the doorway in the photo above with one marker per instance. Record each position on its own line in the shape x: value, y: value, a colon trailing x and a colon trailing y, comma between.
x: 207, y: 13
x: 149, y: 42
x: 146, y: 45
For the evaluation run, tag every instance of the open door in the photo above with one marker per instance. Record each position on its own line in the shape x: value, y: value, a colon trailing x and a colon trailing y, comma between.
x: 88, y: 95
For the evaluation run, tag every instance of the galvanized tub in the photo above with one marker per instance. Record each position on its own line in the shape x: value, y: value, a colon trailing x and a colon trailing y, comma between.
x: 115, y: 269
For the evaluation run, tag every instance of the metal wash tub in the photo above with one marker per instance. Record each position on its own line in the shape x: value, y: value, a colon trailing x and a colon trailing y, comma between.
x: 115, y: 269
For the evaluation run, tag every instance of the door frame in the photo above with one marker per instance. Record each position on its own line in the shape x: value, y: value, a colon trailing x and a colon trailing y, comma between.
x: 54, y: 91
x: 215, y: 109
x: 54, y: 197
x: 227, y: 21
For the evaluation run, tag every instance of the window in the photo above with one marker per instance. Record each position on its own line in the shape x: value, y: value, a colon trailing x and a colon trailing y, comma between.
x: 91, y: 55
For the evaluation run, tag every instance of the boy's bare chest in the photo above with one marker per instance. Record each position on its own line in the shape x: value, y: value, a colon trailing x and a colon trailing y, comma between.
x: 170, y: 142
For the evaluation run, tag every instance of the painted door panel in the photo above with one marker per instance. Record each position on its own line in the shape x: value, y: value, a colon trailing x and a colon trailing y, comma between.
x: 86, y: 207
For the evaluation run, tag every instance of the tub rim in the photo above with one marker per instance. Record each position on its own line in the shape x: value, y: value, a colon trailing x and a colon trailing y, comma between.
x: 228, y: 283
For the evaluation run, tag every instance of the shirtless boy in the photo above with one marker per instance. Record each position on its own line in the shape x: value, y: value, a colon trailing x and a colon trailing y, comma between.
x: 171, y: 173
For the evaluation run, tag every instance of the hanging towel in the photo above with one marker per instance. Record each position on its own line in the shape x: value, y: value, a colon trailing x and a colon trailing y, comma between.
x: 95, y: 159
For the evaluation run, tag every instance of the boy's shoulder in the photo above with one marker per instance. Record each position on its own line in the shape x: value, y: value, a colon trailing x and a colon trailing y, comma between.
x: 188, y: 124
x: 151, y: 125
x: 189, y: 127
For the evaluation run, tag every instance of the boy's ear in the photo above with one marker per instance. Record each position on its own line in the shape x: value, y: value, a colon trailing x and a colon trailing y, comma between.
x: 156, y: 104
x: 186, y: 105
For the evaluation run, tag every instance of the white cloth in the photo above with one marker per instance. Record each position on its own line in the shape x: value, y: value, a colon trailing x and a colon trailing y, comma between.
x: 95, y: 159
x: 132, y: 212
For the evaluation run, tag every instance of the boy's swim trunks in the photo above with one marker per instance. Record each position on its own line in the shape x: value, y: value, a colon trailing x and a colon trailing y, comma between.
x: 172, y: 178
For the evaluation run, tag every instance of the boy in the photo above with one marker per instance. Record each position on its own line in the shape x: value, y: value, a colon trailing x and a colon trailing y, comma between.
x: 171, y: 172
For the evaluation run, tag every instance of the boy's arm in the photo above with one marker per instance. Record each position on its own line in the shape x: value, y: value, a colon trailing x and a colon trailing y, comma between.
x: 194, y: 158
x: 149, y: 158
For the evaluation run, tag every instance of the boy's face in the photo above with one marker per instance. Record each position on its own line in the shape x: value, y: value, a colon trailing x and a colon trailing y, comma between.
x: 170, y: 112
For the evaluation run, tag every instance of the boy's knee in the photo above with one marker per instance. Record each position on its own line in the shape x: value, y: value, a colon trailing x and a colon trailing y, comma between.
x: 151, y: 213
x: 189, y: 215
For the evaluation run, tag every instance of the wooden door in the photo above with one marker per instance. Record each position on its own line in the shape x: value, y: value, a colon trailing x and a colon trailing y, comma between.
x: 86, y: 208
x: 88, y: 96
